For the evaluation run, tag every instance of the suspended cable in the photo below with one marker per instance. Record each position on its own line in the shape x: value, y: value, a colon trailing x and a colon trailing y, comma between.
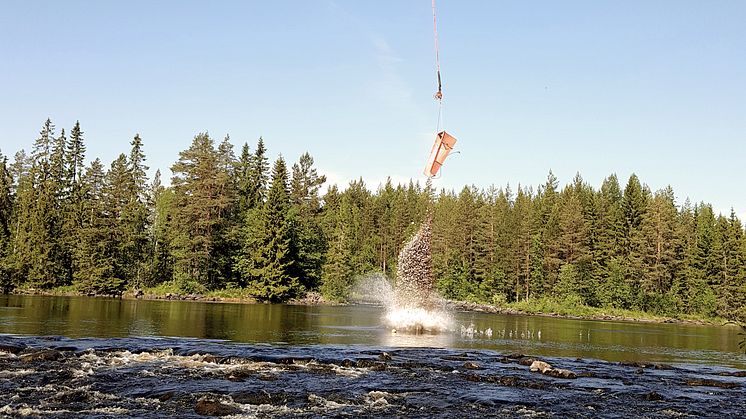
x: 439, y: 95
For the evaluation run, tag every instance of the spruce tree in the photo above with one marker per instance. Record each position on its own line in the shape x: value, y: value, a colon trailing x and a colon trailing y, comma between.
x: 270, y: 254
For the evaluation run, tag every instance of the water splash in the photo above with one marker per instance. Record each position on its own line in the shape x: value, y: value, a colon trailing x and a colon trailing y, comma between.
x: 412, y: 306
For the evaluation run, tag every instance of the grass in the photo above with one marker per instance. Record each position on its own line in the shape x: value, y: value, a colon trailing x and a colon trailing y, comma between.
x: 575, y: 307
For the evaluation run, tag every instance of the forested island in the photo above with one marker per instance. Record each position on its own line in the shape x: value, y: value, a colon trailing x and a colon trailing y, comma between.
x: 232, y: 223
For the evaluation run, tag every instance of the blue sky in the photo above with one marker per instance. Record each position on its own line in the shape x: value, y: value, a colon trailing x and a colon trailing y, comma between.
x: 656, y: 88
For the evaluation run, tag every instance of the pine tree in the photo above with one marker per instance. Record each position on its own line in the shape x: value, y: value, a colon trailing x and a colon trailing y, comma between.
x: 6, y: 213
x: 198, y: 208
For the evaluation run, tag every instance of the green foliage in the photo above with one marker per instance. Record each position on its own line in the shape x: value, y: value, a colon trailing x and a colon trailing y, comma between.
x: 223, y: 226
x: 265, y: 261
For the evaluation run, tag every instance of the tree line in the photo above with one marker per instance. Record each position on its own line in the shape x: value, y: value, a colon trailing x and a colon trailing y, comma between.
x: 237, y: 222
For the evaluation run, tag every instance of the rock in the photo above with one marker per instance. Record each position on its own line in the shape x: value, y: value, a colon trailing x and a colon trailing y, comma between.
x: 527, y: 360
x: 548, y: 370
x: 255, y: 398
x: 664, y: 367
x: 68, y: 397
x: 213, y: 408
x: 13, y: 349
x: 366, y: 362
x: 635, y: 364
x: 511, y: 381
x: 589, y: 374
x: 166, y: 396
x: 385, y: 356
x: 560, y: 373
x: 653, y: 397
x: 710, y: 383
x: 43, y: 355
x: 472, y: 366
x: 380, y: 366
x: 348, y: 364
x: 540, y: 366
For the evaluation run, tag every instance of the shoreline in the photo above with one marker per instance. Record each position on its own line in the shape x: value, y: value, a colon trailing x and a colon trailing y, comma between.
x: 316, y: 299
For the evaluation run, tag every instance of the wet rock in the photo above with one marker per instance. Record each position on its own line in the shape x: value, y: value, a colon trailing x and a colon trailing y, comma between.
x: 69, y: 397
x: 540, y: 366
x: 378, y: 367
x: 589, y: 374
x: 455, y: 358
x: 664, y: 367
x: 560, y: 373
x: 472, y: 366
x: 411, y: 365
x: 165, y: 397
x: 548, y: 370
x: 474, y: 377
x: 213, y: 408
x: 14, y: 349
x: 348, y: 363
x: 510, y: 381
x: 385, y: 356
x: 739, y: 374
x: 367, y: 362
x: 234, y: 378
x: 710, y: 383
x: 268, y: 377
x: 640, y: 371
x: 527, y: 360
x: 255, y: 398
x: 59, y: 377
x: 635, y: 364
x: 43, y: 355
x: 653, y: 397
x: 321, y: 369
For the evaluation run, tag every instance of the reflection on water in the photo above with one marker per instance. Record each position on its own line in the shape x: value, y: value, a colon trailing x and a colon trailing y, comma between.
x: 363, y: 325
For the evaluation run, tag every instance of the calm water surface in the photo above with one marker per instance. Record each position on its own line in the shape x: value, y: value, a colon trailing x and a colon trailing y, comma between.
x: 362, y: 325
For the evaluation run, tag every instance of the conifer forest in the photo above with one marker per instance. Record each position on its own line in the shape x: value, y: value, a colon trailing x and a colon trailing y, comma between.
x: 231, y: 219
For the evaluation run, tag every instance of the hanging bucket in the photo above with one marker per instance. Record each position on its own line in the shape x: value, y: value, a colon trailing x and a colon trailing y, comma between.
x: 444, y: 143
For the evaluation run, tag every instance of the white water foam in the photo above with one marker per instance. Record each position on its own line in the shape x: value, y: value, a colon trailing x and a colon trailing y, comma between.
x: 402, y: 317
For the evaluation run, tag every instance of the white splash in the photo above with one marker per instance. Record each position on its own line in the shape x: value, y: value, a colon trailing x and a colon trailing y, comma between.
x: 401, y: 317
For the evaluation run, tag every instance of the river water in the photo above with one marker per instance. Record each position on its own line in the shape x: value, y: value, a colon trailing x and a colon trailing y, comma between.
x: 92, y: 357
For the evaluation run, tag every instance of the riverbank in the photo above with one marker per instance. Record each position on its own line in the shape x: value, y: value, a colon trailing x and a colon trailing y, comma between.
x: 316, y: 299
x: 57, y: 377
x: 486, y: 308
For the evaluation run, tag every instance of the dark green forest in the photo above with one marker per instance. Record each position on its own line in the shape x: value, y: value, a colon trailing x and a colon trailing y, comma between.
x: 231, y: 220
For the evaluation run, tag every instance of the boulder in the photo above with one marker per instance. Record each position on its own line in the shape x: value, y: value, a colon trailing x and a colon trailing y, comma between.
x: 540, y: 366
x: 213, y: 408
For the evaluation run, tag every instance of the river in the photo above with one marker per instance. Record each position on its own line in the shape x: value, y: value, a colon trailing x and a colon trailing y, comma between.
x: 154, y: 358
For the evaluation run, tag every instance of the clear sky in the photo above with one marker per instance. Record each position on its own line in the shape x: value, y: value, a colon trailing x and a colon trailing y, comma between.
x: 656, y: 88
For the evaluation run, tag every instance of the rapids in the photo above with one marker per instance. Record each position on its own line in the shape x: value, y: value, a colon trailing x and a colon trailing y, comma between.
x: 57, y: 377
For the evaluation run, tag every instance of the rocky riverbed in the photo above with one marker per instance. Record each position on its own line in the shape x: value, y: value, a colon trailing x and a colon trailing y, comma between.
x: 188, y: 378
